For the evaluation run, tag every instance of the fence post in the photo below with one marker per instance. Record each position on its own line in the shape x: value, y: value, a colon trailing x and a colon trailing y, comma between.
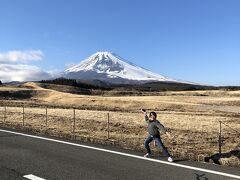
x: 74, y: 121
x: 108, y: 125
x: 46, y: 116
x: 220, y: 137
x: 5, y: 114
x: 23, y: 115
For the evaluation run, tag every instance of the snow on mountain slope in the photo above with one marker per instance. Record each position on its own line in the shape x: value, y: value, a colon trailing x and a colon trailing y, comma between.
x: 107, y: 66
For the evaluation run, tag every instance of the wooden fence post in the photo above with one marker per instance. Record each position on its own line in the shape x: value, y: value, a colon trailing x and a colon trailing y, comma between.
x: 23, y: 115
x: 220, y: 137
x: 46, y: 116
x: 74, y: 120
x: 5, y: 114
x: 108, y: 125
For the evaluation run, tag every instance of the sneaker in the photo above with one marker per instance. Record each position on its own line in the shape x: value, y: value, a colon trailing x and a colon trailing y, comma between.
x: 147, y: 155
x: 170, y: 159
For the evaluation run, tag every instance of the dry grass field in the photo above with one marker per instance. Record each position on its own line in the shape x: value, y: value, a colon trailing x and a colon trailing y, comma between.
x: 193, y: 118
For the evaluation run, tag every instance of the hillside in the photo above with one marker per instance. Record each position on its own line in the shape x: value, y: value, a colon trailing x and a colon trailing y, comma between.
x: 110, y: 67
x: 100, y: 87
x: 63, y: 95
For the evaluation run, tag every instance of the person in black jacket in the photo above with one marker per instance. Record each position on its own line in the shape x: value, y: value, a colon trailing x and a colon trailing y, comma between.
x: 154, y: 126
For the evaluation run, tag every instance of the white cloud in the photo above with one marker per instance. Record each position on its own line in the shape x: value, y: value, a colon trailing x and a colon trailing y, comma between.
x: 14, y: 67
x: 22, y: 72
x: 21, y: 56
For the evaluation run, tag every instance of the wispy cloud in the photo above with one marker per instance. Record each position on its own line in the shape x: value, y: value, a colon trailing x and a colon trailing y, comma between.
x: 14, y: 66
x: 21, y: 72
x: 21, y: 56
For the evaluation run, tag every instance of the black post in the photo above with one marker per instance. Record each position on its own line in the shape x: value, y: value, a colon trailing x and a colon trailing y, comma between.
x: 74, y: 121
x: 220, y: 137
x: 5, y: 114
x: 46, y: 116
x: 107, y: 125
x: 23, y: 115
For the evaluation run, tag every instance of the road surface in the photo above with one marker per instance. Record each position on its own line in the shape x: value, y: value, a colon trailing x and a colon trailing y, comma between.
x: 24, y: 156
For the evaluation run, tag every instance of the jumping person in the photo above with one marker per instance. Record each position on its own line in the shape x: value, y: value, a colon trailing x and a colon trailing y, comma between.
x: 154, y: 126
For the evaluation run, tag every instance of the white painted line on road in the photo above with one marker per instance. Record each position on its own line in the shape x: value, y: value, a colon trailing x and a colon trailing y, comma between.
x: 32, y: 177
x: 125, y: 154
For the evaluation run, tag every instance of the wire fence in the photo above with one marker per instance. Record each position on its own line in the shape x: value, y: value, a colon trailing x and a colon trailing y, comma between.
x: 224, y: 136
x: 68, y: 122
x: 192, y: 136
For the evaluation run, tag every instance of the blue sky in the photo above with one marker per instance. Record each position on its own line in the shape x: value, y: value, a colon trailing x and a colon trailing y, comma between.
x: 192, y: 40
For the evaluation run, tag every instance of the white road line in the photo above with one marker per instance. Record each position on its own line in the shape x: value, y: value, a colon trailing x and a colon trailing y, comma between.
x: 32, y: 177
x: 125, y: 154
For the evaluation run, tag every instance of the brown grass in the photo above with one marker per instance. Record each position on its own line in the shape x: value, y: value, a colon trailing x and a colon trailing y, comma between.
x: 192, y: 118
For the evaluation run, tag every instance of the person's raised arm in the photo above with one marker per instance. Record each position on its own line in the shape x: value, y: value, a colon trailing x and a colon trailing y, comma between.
x: 145, y: 115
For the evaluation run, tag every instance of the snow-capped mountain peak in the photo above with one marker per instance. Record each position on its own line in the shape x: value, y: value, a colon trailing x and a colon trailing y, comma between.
x: 100, y: 61
x: 108, y: 66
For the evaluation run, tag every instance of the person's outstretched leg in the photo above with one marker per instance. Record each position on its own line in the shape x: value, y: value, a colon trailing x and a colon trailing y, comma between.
x: 146, y: 145
x: 161, y: 146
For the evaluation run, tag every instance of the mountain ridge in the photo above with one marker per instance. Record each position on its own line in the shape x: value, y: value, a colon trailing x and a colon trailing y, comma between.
x: 110, y: 67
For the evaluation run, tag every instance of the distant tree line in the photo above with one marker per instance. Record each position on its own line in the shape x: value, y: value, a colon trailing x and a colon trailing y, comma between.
x: 0, y: 82
x: 72, y: 82
x: 61, y: 81
x: 148, y: 87
x: 168, y: 86
x: 229, y: 88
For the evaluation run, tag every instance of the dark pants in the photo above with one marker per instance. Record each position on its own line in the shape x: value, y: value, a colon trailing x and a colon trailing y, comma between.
x: 158, y: 142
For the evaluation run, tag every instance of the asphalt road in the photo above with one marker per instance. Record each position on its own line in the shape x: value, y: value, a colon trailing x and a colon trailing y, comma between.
x: 21, y: 155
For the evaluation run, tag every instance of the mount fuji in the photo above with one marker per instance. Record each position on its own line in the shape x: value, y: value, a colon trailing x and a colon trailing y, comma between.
x: 111, y: 68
